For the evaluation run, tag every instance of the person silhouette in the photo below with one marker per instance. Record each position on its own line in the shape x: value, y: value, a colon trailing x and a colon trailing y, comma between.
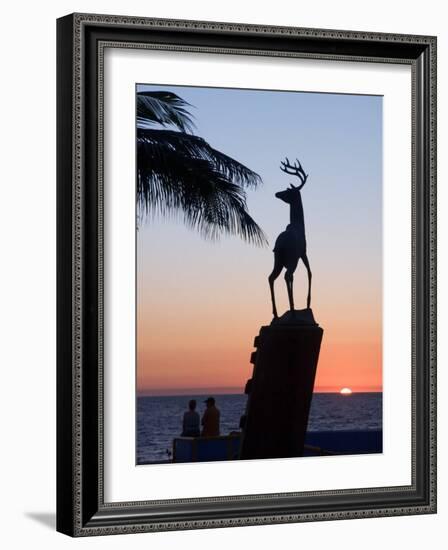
x: 190, y: 423
x: 210, y: 419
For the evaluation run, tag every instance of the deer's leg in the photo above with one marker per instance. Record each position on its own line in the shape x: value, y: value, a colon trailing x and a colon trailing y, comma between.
x: 275, y: 273
x: 289, y: 278
x: 307, y: 265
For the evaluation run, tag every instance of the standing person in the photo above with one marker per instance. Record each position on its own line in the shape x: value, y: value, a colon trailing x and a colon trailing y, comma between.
x: 190, y: 424
x: 210, y: 419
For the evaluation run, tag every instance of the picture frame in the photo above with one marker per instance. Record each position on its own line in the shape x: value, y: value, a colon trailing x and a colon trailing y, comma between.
x: 81, y: 506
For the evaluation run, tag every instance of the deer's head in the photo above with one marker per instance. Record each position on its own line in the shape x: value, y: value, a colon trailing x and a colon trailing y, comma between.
x: 292, y: 193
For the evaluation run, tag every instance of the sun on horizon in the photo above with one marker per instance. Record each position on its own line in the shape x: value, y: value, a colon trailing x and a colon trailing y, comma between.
x: 346, y: 391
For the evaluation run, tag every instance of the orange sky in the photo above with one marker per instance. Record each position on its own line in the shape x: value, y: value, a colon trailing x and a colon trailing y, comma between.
x: 197, y: 319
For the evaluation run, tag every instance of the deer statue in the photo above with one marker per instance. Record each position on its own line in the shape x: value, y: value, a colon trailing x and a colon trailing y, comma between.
x: 290, y: 245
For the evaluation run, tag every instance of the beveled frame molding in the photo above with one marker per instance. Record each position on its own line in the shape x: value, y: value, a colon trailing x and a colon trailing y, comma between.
x: 82, y: 38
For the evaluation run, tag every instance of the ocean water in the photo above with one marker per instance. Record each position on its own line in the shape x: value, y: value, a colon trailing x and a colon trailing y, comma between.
x: 159, y: 419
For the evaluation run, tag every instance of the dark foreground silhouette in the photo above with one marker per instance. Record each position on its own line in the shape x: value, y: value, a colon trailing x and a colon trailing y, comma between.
x: 290, y: 246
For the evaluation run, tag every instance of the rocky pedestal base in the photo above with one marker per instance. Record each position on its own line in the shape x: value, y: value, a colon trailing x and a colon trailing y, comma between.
x: 281, y: 387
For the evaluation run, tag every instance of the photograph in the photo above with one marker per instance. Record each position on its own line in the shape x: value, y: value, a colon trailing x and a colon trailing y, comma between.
x: 259, y: 264
x: 246, y: 273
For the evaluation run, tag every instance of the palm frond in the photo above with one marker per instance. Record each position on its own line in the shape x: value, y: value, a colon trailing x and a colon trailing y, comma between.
x: 188, y: 145
x: 181, y: 173
x: 164, y: 108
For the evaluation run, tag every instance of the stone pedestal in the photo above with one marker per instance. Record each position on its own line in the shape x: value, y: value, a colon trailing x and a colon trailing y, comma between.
x: 281, y: 387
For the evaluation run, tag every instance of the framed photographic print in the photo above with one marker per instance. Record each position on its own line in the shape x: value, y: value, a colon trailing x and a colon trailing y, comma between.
x: 246, y: 274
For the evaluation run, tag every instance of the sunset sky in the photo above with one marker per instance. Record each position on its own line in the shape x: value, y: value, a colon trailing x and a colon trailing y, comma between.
x: 200, y: 303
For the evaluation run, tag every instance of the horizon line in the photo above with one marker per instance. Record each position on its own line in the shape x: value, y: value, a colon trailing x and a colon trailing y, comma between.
x: 171, y: 392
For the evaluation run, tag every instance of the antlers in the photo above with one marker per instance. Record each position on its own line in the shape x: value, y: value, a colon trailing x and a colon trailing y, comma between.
x: 294, y: 170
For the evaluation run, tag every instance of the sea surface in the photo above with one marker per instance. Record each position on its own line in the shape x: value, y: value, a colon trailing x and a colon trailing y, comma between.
x: 159, y: 419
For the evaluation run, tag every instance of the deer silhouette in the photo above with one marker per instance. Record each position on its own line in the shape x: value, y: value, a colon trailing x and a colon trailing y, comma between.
x: 290, y: 245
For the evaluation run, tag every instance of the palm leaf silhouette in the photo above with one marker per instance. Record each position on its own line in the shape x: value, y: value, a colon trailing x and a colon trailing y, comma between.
x: 180, y: 173
x: 163, y: 108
